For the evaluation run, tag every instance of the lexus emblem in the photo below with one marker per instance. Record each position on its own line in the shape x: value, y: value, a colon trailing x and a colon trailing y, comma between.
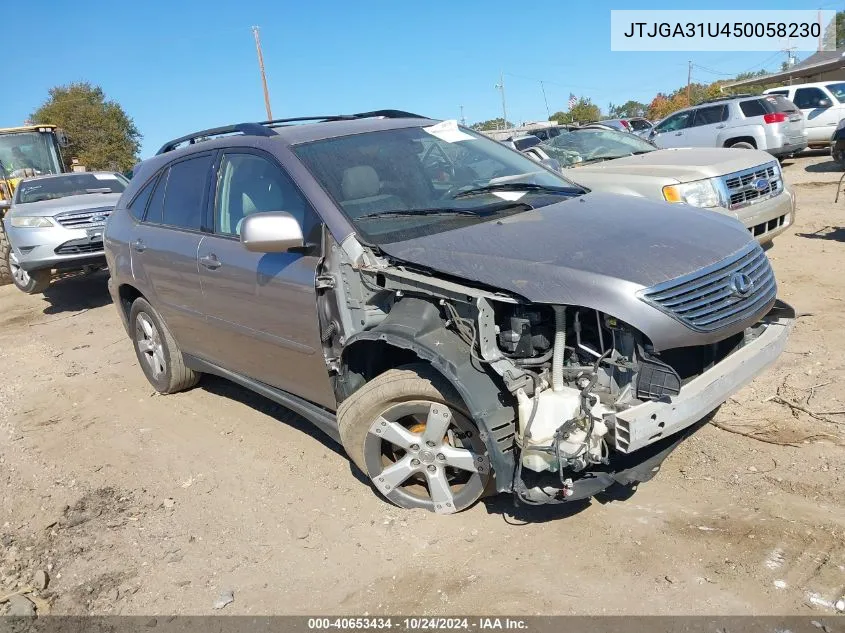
x: 741, y: 284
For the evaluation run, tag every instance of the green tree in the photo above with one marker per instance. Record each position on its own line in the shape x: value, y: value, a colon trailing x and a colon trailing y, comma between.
x: 627, y: 110
x: 100, y: 133
x: 491, y: 124
x: 834, y: 35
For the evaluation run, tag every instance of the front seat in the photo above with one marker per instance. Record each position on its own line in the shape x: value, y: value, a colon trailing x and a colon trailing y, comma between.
x: 361, y: 189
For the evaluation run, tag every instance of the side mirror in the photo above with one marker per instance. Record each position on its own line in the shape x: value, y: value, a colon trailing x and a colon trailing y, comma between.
x: 271, y: 232
x: 5, y: 205
x: 824, y: 103
x: 551, y: 163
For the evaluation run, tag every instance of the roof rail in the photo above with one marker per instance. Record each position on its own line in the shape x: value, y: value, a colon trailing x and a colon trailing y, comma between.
x: 387, y: 114
x: 250, y: 129
x: 727, y: 97
x: 265, y: 128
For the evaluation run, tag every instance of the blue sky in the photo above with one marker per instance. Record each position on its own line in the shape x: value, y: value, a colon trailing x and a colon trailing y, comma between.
x: 181, y: 65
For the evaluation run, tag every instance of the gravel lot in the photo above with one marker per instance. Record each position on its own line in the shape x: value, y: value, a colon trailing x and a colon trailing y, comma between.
x: 133, y: 503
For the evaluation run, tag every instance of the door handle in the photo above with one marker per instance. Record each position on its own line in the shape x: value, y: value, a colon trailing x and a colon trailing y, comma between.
x: 679, y: 133
x: 211, y: 262
x: 139, y: 246
x: 719, y: 127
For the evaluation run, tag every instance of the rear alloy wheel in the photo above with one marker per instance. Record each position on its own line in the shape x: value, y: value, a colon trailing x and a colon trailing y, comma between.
x: 30, y: 283
x: 407, y: 430
x: 157, y: 350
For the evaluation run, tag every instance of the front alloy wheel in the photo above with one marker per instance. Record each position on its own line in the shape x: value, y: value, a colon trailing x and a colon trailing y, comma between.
x: 407, y: 430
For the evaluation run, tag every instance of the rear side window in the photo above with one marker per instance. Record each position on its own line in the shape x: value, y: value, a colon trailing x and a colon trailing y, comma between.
x: 806, y: 98
x: 754, y: 107
x: 186, y: 187
x: 157, y: 201
x: 639, y: 124
x: 710, y: 115
x: 838, y: 91
x: 139, y: 204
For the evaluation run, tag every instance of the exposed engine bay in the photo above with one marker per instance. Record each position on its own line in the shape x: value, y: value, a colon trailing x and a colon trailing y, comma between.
x: 568, y: 370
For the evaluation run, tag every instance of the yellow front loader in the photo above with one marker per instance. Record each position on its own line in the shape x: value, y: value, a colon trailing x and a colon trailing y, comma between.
x: 26, y: 151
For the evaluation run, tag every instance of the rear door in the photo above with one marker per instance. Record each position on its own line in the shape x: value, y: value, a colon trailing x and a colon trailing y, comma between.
x: 671, y: 132
x: 262, y: 307
x: 164, y: 248
x: 705, y: 126
x: 820, y: 117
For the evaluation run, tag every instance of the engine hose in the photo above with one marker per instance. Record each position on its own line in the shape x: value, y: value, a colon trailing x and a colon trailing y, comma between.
x: 330, y: 331
x: 560, y: 344
x: 530, y: 362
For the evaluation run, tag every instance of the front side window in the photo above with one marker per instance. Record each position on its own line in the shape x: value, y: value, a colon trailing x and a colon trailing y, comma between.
x: 808, y: 98
x: 247, y: 184
x: 710, y: 115
x: 403, y: 183
x: 186, y: 186
x: 675, y: 122
x: 54, y: 187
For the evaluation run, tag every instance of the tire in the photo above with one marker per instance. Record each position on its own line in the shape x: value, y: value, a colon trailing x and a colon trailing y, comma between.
x: 742, y: 145
x: 32, y: 283
x: 5, y: 249
x: 409, y: 432
x: 158, y: 353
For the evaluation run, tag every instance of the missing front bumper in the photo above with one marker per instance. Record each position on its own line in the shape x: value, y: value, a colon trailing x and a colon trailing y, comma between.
x: 651, y: 422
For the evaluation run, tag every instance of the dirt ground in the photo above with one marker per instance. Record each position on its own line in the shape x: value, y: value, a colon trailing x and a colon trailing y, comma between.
x: 135, y: 503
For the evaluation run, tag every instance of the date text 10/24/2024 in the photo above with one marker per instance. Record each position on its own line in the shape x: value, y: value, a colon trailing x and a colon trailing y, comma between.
x: 418, y: 623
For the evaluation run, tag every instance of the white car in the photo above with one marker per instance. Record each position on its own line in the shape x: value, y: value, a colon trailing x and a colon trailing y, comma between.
x: 823, y: 105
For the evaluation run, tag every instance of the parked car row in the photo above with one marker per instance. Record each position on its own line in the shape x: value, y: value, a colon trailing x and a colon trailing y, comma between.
x: 461, y: 318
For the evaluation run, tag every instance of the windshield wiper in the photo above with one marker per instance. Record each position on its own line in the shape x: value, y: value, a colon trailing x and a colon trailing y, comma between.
x: 415, y: 212
x: 517, y: 186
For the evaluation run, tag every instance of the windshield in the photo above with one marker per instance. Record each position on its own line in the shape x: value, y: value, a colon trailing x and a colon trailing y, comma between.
x: 838, y: 91
x: 34, y: 151
x: 68, y: 185
x: 583, y: 146
x: 404, y: 183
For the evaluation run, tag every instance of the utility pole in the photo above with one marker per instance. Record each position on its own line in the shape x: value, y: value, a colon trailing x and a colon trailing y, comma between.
x: 263, y: 76
x: 546, y: 101
x: 689, y: 81
x: 463, y: 120
x: 501, y: 87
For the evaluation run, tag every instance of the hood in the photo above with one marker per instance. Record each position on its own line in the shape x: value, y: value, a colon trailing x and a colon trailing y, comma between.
x: 574, y: 251
x: 681, y: 164
x: 68, y: 203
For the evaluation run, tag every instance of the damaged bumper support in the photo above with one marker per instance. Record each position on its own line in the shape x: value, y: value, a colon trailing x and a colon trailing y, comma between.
x: 647, y: 433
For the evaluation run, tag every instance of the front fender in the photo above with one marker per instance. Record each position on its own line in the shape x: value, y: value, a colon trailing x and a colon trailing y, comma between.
x: 416, y: 325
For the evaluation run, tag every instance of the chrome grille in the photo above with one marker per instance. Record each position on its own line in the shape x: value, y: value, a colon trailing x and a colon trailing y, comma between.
x: 710, y: 298
x: 87, y: 219
x: 753, y: 185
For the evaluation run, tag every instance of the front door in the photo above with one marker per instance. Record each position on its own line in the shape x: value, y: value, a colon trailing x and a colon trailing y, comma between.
x: 672, y: 131
x: 820, y: 115
x: 262, y: 307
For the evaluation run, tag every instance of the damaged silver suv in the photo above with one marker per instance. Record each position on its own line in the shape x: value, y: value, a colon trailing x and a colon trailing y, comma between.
x: 461, y: 318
